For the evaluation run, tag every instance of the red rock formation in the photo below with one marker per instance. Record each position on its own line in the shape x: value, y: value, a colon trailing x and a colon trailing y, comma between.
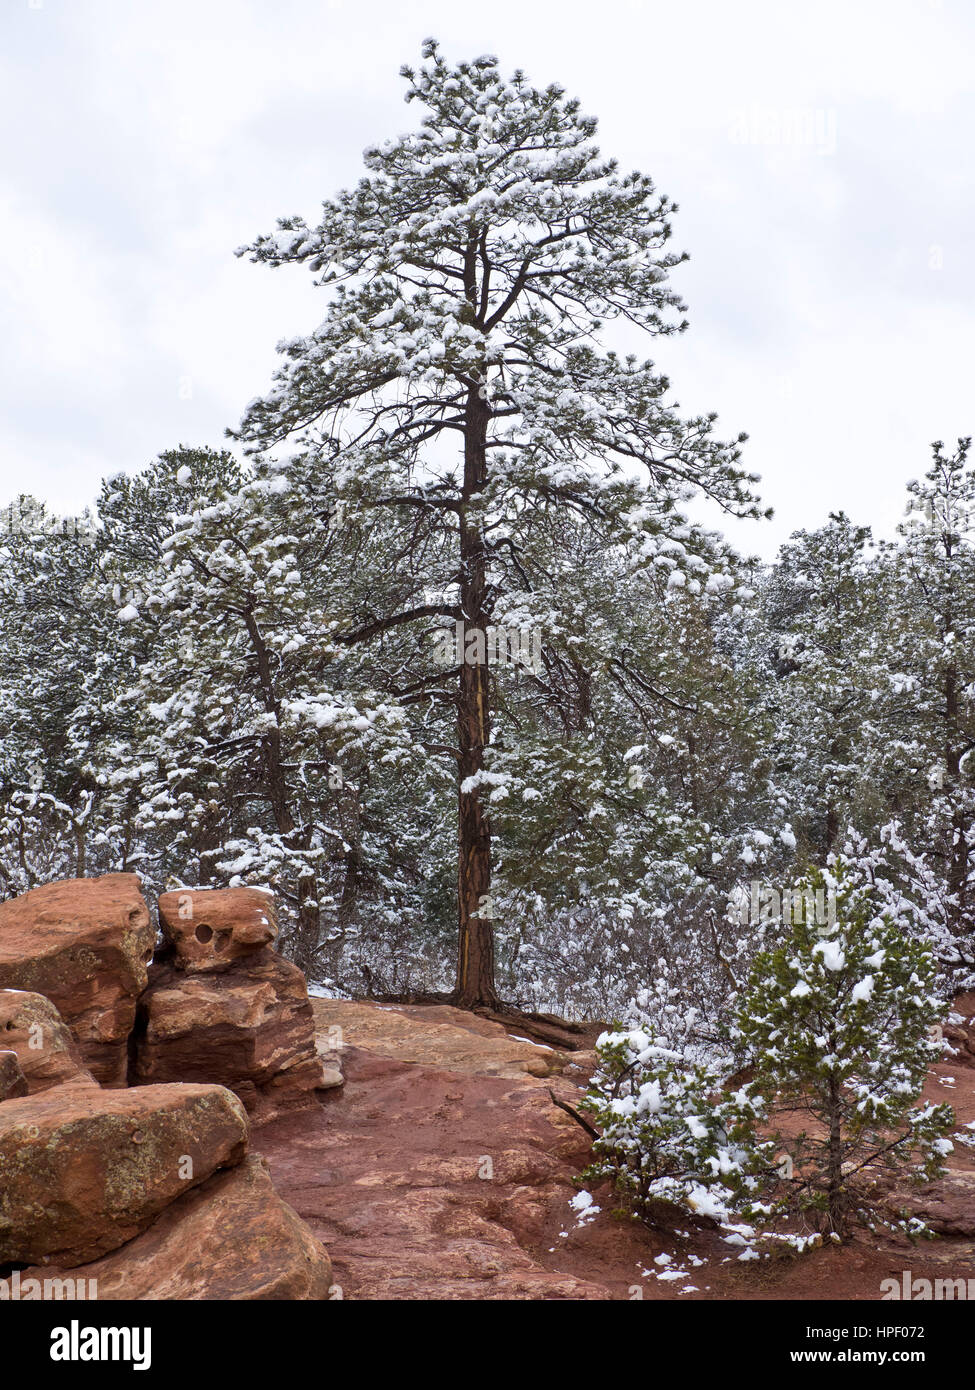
x: 128, y: 1186
x: 441, y: 1170
x: 232, y: 1238
x: 32, y: 1028
x: 249, y: 1027
x: 85, y: 1170
x: 210, y: 928
x: 84, y: 944
x: 961, y: 1035
x: 947, y: 1206
x: 13, y: 1082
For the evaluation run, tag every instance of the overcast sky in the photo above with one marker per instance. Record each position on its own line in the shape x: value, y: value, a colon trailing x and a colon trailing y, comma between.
x: 821, y: 155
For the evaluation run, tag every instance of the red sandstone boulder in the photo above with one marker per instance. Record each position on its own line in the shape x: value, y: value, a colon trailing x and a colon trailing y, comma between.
x: 32, y: 1028
x: 210, y: 928
x: 249, y: 1027
x: 13, y: 1082
x: 84, y: 944
x: 232, y: 1238
x: 82, y: 1171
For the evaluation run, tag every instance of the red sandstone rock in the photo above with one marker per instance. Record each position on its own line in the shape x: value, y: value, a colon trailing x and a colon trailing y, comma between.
x: 232, y: 1238
x: 82, y: 1171
x: 32, y: 1028
x: 210, y: 928
x: 437, y: 1035
x: 961, y: 1034
x: 947, y: 1206
x: 433, y: 1184
x: 85, y: 945
x: 13, y: 1082
x: 250, y: 1027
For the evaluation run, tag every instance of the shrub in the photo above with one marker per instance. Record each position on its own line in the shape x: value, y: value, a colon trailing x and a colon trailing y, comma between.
x: 838, y: 1024
x: 669, y: 1135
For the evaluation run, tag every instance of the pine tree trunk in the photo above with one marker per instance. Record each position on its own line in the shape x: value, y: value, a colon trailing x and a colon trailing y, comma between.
x: 475, y: 953
x: 834, y: 1166
x: 309, y: 923
x: 957, y: 850
x: 276, y: 784
x: 80, y: 849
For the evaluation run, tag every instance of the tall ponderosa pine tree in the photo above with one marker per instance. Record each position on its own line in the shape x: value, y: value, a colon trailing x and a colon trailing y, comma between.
x: 472, y: 271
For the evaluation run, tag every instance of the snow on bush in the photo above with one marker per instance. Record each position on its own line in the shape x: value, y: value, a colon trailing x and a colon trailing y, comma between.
x: 669, y: 1135
x: 838, y: 1024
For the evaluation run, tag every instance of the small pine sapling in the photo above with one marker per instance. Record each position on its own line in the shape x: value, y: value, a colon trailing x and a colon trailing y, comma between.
x: 839, y: 1024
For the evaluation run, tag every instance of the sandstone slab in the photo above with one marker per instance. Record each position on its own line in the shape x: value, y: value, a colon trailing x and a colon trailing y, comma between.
x: 232, y: 1238
x: 946, y: 1206
x: 82, y: 1171
x: 435, y: 1036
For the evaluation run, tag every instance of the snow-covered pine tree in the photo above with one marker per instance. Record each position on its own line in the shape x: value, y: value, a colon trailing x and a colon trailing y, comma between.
x: 630, y: 787
x: 248, y: 760
x: 815, y: 640
x: 838, y: 1025
x: 923, y: 758
x: 53, y: 634
x: 670, y: 1131
x: 472, y: 273
x: 137, y: 513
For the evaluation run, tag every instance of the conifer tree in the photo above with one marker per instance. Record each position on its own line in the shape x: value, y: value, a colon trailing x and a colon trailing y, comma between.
x: 924, y: 757
x: 249, y: 761
x: 462, y: 376
x: 838, y: 1023
x: 815, y: 636
x: 53, y: 634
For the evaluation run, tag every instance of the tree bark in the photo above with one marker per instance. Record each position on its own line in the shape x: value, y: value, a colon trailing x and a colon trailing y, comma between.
x: 309, y: 910
x: 475, y: 946
x: 957, y: 850
x: 834, y: 1167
